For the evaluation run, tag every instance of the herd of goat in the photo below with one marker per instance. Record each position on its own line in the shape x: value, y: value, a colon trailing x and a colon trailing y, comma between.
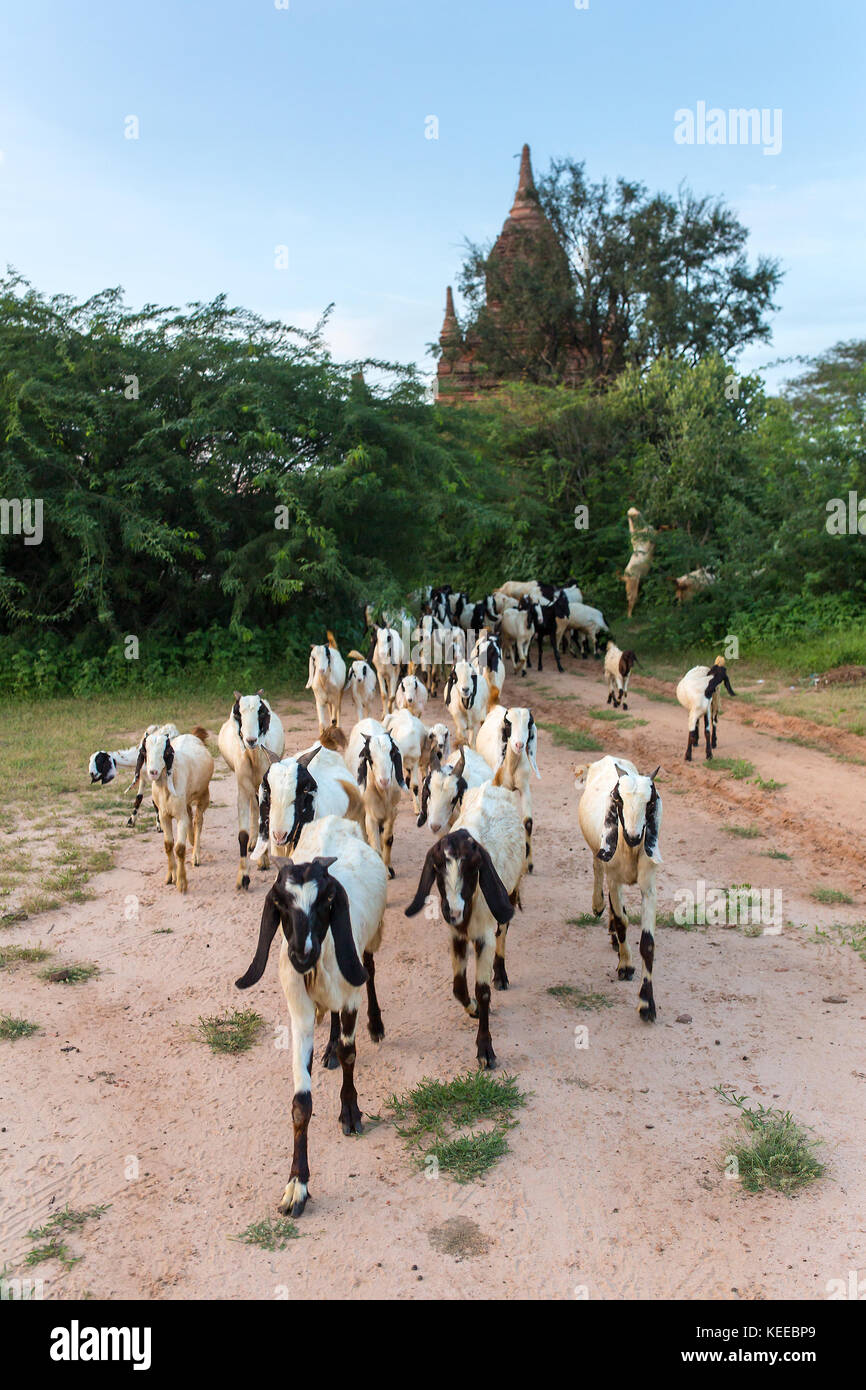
x: 326, y: 814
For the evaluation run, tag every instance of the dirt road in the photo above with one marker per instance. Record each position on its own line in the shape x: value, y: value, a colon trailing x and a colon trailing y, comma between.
x: 612, y: 1187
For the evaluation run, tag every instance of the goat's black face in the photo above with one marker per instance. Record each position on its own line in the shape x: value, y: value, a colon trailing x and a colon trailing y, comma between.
x: 457, y: 864
x: 304, y: 894
x: 102, y: 768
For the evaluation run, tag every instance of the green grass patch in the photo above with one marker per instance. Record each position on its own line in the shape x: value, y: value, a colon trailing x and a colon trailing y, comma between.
x: 269, y: 1234
x: 769, y: 784
x: 579, y: 998
x: 586, y: 919
x: 54, y: 1249
x: 13, y: 1028
x: 575, y: 739
x: 776, y: 854
x: 744, y: 832
x: 65, y: 1221
x: 831, y: 896
x: 20, y: 955
x: 76, y: 973
x: 777, y: 1153
x: 739, y: 768
x: 467, y: 1156
x: 429, y: 1116
x: 853, y: 936
x: 231, y: 1032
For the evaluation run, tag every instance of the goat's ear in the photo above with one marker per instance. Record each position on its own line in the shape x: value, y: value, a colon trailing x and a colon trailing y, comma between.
x: 532, y: 747
x: 425, y: 883
x: 267, y: 930
x: 363, y: 762
x: 397, y: 760
x: 168, y: 757
x: 449, y: 687
x: 345, y: 949
x: 237, y: 694
x: 306, y: 758
x: 651, y: 837
x: 425, y: 801
x: 610, y: 836
x: 728, y: 686
x: 491, y: 885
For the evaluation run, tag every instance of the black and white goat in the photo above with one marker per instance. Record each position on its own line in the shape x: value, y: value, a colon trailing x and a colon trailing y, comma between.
x: 487, y: 656
x: 466, y: 698
x: 250, y: 740
x: 361, y: 683
x: 617, y: 668
x: 375, y: 762
x: 547, y: 615
x: 411, y: 695
x: 476, y: 870
x: 313, y: 784
x: 445, y: 785
x: 104, y: 767
x: 520, y: 619
x: 699, y: 693
x: 329, y: 902
x: 508, y: 741
x: 587, y: 622
x: 620, y: 815
x: 387, y: 657
x: 414, y: 742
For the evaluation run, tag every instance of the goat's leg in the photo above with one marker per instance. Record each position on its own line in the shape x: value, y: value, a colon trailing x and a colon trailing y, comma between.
x: 709, y: 751
x: 500, y: 974
x: 198, y: 825
x: 597, y: 886
x: 329, y: 1056
x: 527, y: 826
x: 619, y: 924
x: 484, y: 953
x: 373, y: 831
x: 243, y: 878
x: 611, y: 698
x: 168, y: 842
x: 265, y: 861
x: 387, y: 829
x: 180, y: 839
x: 715, y: 722
x: 297, y: 1188
x: 460, y: 989
x: 692, y: 739
x: 647, y: 881
x: 134, y: 815
x: 375, y: 1026
x: 350, y: 1115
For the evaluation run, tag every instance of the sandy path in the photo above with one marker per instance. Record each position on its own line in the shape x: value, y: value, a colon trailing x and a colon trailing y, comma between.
x: 612, y: 1183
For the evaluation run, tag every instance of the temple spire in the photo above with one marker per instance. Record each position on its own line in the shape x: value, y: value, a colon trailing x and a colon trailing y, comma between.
x: 450, y: 327
x: 525, y: 183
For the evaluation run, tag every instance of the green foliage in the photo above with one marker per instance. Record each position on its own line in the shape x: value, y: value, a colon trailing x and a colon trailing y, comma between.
x: 777, y: 1153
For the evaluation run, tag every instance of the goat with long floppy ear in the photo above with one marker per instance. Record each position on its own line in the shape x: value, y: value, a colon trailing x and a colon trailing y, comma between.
x: 432, y: 862
x: 651, y: 838
x: 611, y: 826
x: 449, y: 686
x: 532, y: 745
x: 267, y: 931
x: 397, y: 761
x: 493, y: 888
x: 168, y: 759
x: 364, y: 762
x: 351, y: 969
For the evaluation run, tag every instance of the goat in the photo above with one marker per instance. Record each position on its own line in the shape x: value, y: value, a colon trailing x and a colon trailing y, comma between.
x: 687, y: 585
x: 445, y: 786
x: 440, y: 741
x: 179, y: 772
x: 547, y: 615
x: 104, y: 767
x: 330, y: 905
x: 586, y: 621
x: 617, y: 797
x: 375, y: 761
x: 466, y: 696
x: 387, y: 658
x: 411, y: 695
x: 698, y: 693
x: 250, y: 740
x: 487, y: 656
x: 476, y: 869
x: 519, y: 620
x: 640, y: 561
x: 361, y: 682
x: 508, y: 741
x: 414, y: 742
x: 292, y: 794
x: 518, y: 589
x: 327, y: 680
x: 617, y: 669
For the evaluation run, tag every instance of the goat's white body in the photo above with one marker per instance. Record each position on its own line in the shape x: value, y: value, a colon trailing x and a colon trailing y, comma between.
x: 249, y: 766
x: 617, y: 683
x: 491, y: 814
x: 327, y: 679
x: 388, y: 659
x: 442, y: 811
x: 517, y: 632
x: 362, y: 686
x: 380, y: 801
x: 589, y: 622
x: 413, y: 740
x: 183, y: 796
x: 515, y: 768
x: 467, y: 701
x: 492, y: 667
x: 411, y: 696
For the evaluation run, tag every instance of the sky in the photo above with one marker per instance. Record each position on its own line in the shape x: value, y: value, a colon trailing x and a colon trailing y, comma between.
x: 304, y: 125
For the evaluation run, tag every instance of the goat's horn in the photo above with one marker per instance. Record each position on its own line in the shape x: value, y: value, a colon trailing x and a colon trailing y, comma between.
x: 654, y: 775
x: 460, y: 767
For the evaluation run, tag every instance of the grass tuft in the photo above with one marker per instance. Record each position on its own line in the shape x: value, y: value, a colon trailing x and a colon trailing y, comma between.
x: 575, y: 739
x: 776, y: 854
x: 739, y: 768
x: 744, y: 832
x: 434, y: 1109
x: 830, y: 896
x: 579, y: 998
x: 232, y: 1032
x: 777, y: 1152
x: 62, y: 1222
x: 467, y: 1156
x: 269, y: 1234
x: 74, y: 974
x: 13, y: 1028
x: 17, y: 955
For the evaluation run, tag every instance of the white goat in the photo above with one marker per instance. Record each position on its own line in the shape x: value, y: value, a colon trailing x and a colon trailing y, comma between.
x: 250, y: 740
x: 586, y: 621
x: 617, y: 669
x: 327, y: 680
x: 519, y: 620
x: 413, y: 739
x: 440, y: 741
x: 179, y: 771
x: 412, y: 695
x: 617, y: 798
x: 330, y: 904
x: 312, y: 784
x: 476, y: 869
x: 466, y: 697
x: 445, y: 786
x: 687, y: 585
x: 362, y: 686
x: 388, y: 658
x: 508, y: 741
x: 374, y: 760
x: 698, y: 692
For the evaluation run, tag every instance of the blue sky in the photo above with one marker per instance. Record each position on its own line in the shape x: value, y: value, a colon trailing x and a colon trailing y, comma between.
x: 304, y: 127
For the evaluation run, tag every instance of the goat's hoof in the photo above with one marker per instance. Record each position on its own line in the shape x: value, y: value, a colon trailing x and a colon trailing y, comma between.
x: 264, y: 865
x: 350, y: 1118
x: 500, y: 975
x: 597, y: 911
x: 472, y: 1008
x: 376, y: 1029
x: 131, y: 823
x: 486, y: 1057
x: 625, y: 706
x: 625, y: 972
x: 243, y: 881
x: 182, y: 886
x: 648, y: 1013
x: 330, y: 1059
x: 294, y: 1198
x: 391, y: 873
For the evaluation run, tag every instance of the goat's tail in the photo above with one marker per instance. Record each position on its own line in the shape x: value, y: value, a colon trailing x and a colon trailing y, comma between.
x: 332, y: 641
x: 357, y: 656
x: 355, y: 810
x: 200, y: 733
x: 580, y: 770
x: 333, y: 738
